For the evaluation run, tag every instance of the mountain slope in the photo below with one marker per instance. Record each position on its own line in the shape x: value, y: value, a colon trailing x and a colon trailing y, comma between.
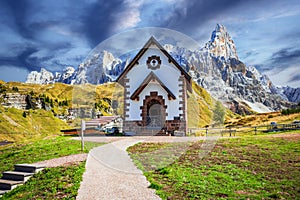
x: 103, y: 97
x: 34, y: 124
x: 215, y: 67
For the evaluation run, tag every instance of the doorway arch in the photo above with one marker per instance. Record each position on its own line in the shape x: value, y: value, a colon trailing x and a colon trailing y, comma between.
x: 154, y: 111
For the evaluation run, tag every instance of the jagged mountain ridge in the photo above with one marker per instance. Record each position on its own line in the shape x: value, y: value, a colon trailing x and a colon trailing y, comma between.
x: 230, y: 81
x: 216, y: 67
x: 100, y: 68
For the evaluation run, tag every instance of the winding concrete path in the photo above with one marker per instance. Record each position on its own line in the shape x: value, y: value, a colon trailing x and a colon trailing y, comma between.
x: 111, y: 174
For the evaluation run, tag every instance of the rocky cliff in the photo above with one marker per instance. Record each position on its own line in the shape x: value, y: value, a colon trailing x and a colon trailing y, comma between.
x: 216, y: 67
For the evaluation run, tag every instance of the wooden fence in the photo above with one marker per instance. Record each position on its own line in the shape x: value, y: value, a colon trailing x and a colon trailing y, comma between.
x: 242, y: 130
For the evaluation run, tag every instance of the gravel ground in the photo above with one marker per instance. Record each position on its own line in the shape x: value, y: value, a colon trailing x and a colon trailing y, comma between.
x: 109, y: 139
x: 63, y: 161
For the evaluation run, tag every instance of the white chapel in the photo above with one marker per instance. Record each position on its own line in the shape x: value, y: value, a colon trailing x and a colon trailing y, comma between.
x: 155, y: 92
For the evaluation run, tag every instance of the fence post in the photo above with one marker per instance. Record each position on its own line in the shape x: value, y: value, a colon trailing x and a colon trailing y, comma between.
x: 82, y: 132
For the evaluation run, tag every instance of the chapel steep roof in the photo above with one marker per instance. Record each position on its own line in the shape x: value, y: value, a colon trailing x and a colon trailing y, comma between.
x: 151, y: 41
x: 148, y: 79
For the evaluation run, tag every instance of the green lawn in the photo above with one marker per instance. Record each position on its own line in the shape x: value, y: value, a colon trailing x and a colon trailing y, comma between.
x: 52, y: 183
x: 40, y: 150
x: 238, y: 168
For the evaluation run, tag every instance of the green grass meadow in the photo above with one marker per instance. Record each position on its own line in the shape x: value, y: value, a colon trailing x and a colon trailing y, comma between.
x: 52, y: 183
x: 260, y: 167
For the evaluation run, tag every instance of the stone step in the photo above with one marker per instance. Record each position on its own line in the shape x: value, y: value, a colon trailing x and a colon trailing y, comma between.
x: 16, y: 176
x: 9, y: 184
x: 3, y: 192
x: 28, y: 168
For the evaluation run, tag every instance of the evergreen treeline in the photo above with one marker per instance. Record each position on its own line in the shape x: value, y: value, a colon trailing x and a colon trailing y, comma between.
x: 291, y: 111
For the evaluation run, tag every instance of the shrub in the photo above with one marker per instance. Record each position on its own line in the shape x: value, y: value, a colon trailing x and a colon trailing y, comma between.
x: 24, y: 114
x: 290, y: 111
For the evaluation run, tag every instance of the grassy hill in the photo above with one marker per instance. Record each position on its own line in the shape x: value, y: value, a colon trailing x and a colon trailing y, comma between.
x: 37, y: 123
x: 19, y: 125
x: 101, y: 96
x: 201, y: 107
x: 263, y: 119
x: 61, y: 96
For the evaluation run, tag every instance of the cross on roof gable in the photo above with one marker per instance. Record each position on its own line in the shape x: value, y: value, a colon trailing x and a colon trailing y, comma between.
x: 151, y: 41
x: 151, y: 77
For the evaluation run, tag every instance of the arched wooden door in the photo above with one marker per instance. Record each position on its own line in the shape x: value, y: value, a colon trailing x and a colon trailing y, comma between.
x: 154, y: 112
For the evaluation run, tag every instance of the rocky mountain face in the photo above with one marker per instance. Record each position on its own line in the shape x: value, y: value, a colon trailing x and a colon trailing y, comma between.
x: 22, y: 101
x: 221, y: 44
x: 216, y: 67
x: 292, y: 94
x: 100, y: 68
x: 42, y: 77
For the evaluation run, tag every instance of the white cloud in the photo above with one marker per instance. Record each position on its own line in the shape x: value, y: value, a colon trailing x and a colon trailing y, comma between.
x: 61, y: 30
x: 129, y: 17
x: 282, y: 77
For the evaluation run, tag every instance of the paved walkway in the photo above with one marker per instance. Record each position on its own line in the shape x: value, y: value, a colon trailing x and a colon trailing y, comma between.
x: 111, y: 174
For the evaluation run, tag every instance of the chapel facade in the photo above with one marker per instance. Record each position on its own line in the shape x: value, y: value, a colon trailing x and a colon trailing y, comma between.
x: 155, y: 92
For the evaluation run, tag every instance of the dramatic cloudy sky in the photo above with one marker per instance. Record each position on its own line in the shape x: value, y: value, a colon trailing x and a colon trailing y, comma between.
x: 57, y: 33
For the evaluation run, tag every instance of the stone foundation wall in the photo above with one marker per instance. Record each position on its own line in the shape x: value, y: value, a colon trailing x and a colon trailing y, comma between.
x: 138, y: 127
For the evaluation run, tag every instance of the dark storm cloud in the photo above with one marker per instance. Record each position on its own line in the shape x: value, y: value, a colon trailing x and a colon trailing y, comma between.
x: 281, y: 60
x: 250, y: 53
x: 22, y: 60
x: 34, y: 40
x: 197, y: 13
x: 55, y: 26
x: 18, y: 11
x: 285, y: 57
x: 295, y: 78
x: 98, y: 20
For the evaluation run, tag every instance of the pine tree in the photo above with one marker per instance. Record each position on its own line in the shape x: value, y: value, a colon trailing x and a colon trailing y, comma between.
x: 219, y: 113
x: 47, y: 100
x: 16, y: 89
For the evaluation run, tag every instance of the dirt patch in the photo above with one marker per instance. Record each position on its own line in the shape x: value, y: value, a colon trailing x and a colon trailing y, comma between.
x: 64, y: 161
x: 243, y: 192
x: 291, y: 137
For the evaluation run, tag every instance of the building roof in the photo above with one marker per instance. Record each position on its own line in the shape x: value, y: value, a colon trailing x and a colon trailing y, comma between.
x: 148, y: 79
x: 134, y: 61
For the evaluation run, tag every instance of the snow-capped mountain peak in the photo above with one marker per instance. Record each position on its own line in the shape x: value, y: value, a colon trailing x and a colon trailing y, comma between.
x: 99, y: 68
x: 221, y: 44
x: 215, y: 67
x: 40, y: 77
